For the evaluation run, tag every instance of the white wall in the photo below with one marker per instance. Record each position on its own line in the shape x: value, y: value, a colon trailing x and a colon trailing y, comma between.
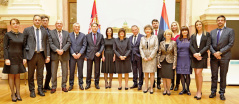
x: 113, y: 13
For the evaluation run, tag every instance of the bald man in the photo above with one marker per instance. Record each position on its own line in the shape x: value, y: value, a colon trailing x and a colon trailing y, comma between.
x: 60, y: 43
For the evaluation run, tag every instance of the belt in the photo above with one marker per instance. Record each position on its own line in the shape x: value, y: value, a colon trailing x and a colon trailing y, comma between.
x: 39, y: 52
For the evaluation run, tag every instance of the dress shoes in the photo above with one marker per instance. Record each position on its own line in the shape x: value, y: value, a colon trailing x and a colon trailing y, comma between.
x: 183, y: 92
x: 126, y: 88
x: 140, y: 87
x: 47, y: 88
x: 81, y: 87
x: 14, y: 100
x: 64, y: 89
x: 212, y: 95
x: 176, y: 88
x: 41, y: 93
x: 53, y: 91
x: 70, y: 88
x: 19, y: 99
x: 32, y: 94
x: 158, y: 87
x: 134, y: 86
x: 222, y: 97
x: 97, y: 86
x: 119, y: 88
x: 87, y: 86
x: 171, y: 88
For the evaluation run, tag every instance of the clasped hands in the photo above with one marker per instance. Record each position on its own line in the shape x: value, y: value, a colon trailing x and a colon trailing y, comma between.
x: 148, y: 59
x: 76, y: 56
x: 8, y: 62
x: 197, y: 56
x: 103, y: 59
x: 217, y: 55
x: 60, y: 51
x: 122, y: 57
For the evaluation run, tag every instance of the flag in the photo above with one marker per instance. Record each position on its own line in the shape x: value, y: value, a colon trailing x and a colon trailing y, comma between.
x: 94, y: 17
x: 164, y: 24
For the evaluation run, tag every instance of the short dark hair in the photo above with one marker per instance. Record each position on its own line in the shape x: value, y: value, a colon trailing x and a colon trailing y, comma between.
x: 107, y: 31
x: 222, y: 16
x: 149, y: 26
x: 93, y: 24
x: 155, y: 20
x: 121, y: 30
x: 14, y: 19
x: 36, y: 16
x: 181, y: 35
x: 44, y: 16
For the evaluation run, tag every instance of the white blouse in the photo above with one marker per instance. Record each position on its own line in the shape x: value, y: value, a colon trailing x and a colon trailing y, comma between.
x: 199, y: 36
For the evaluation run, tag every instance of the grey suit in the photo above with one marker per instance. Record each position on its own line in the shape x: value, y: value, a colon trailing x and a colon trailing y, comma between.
x: 91, y: 50
x: 224, y: 46
x: 55, y: 58
x: 78, y: 45
x: 36, y: 59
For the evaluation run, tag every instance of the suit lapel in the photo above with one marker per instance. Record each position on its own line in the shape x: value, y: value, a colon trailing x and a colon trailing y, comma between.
x: 90, y: 36
x: 98, y: 38
x: 73, y: 39
x: 222, y: 34
x: 137, y: 41
x: 56, y: 34
x: 163, y: 45
x: 33, y: 32
x: 63, y: 36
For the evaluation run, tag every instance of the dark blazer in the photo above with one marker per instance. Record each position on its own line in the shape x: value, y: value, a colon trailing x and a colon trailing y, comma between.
x: 160, y: 35
x: 122, y: 48
x: 170, y: 55
x: 55, y: 44
x: 135, y: 47
x: 204, y: 44
x: 92, y: 49
x: 31, y: 42
x: 78, y: 45
x: 225, y: 43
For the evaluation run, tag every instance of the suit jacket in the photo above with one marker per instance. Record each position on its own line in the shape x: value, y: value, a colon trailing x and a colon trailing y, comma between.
x: 122, y: 48
x: 55, y: 44
x: 160, y: 35
x: 149, y: 48
x: 92, y: 48
x: 170, y: 55
x: 135, y: 47
x: 78, y: 45
x: 225, y: 43
x: 204, y: 44
x: 31, y: 42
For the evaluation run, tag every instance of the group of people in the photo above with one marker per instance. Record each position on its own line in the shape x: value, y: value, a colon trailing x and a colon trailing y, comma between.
x: 170, y: 53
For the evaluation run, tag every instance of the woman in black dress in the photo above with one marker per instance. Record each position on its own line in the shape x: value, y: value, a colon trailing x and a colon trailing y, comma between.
x: 108, y: 58
x: 14, y: 56
x: 122, y: 51
x: 199, y: 45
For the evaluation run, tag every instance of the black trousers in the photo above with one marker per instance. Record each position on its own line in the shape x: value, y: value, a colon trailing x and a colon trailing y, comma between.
x: 80, y: 64
x: 137, y: 71
x: 215, y: 64
x: 96, y: 61
x: 37, y: 62
x: 158, y: 76
x: 48, y: 74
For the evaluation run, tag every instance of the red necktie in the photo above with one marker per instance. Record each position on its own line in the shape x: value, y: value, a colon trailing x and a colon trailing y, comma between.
x: 94, y: 39
x: 156, y: 33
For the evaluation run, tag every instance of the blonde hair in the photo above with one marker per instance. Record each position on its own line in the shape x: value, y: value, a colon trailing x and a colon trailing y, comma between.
x: 169, y: 31
x: 178, y: 30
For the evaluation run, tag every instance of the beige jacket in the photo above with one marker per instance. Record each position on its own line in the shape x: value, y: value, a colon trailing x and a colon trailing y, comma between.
x: 170, y: 55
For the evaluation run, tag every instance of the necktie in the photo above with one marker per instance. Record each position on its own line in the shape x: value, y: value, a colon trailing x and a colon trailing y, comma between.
x: 60, y: 38
x: 77, y: 35
x: 38, y: 45
x: 94, y: 39
x: 134, y: 39
x: 156, y: 32
x: 218, y: 35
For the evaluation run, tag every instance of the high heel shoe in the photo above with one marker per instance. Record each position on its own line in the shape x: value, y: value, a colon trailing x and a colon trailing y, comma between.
x: 196, y: 95
x: 13, y: 99
x: 110, y: 84
x: 189, y: 93
x: 119, y: 88
x: 19, y: 99
x: 126, y: 88
x: 164, y: 93
x: 146, y: 90
x: 106, y: 85
x: 199, y: 98
x: 169, y: 93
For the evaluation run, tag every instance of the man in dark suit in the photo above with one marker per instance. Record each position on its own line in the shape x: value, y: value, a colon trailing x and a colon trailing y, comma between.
x: 95, y: 46
x: 136, y: 58
x: 60, y: 43
x: 37, y: 53
x: 77, y: 55
x: 221, y: 44
x: 159, y: 33
x: 45, y: 22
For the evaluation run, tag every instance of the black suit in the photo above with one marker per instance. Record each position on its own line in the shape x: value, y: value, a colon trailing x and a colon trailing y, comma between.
x: 36, y: 59
x: 78, y: 45
x: 136, y: 60
x: 91, y: 50
x: 48, y: 67
x: 224, y: 46
x: 160, y: 36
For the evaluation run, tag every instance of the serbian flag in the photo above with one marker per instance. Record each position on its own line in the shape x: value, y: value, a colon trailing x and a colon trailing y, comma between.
x: 94, y: 17
x: 164, y: 25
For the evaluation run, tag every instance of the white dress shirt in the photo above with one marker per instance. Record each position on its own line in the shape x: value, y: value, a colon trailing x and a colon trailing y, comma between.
x: 135, y: 38
x: 198, y: 39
